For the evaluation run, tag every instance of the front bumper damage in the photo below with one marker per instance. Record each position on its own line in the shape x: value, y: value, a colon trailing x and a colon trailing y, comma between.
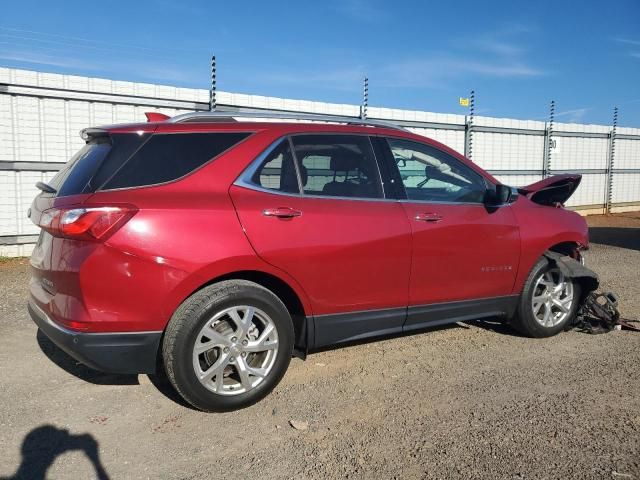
x: 587, y: 278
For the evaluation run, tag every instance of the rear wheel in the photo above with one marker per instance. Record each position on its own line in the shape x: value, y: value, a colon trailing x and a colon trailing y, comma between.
x: 228, y: 345
x: 548, y: 303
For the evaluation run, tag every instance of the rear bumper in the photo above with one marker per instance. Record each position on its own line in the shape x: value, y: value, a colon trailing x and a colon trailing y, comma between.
x: 123, y: 353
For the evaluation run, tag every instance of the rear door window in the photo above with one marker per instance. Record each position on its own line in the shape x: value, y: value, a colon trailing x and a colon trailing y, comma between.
x: 337, y: 166
x: 277, y: 171
x: 167, y: 157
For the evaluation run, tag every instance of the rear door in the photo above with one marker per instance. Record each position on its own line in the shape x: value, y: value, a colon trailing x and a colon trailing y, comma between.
x: 462, y: 250
x: 314, y: 206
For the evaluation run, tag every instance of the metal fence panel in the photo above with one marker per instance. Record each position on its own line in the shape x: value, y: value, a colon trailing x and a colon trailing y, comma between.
x: 579, y: 153
x: 627, y: 154
x: 591, y: 192
x: 626, y: 188
x: 508, y: 151
x: 451, y: 138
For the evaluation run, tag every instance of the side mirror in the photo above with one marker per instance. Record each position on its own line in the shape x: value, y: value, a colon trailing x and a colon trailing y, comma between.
x: 499, y: 195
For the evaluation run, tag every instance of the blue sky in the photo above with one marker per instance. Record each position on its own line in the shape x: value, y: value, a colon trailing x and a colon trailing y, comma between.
x: 516, y: 55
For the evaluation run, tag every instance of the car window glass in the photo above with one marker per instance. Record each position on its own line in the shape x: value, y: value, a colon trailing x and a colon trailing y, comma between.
x: 166, y: 157
x: 277, y: 171
x: 429, y: 174
x: 75, y: 175
x: 337, y: 166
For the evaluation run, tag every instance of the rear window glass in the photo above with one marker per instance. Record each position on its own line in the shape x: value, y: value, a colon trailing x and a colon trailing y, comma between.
x: 123, y: 146
x: 77, y: 172
x: 337, y: 166
x: 166, y: 157
x: 278, y: 171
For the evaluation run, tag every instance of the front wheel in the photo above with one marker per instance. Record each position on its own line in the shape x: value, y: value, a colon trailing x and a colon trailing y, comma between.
x: 548, y: 303
x: 228, y: 345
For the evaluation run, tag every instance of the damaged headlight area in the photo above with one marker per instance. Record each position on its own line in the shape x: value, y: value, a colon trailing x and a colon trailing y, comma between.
x: 598, y: 312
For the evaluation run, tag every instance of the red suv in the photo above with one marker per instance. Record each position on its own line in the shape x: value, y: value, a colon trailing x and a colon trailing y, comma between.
x: 219, y: 248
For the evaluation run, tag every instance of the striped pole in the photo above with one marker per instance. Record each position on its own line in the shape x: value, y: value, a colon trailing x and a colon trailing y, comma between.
x: 549, y: 143
x: 612, y: 155
x: 472, y: 109
x: 212, y: 92
x: 365, y: 100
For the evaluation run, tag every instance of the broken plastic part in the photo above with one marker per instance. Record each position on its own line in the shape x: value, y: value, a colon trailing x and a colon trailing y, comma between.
x: 570, y: 267
x: 552, y: 191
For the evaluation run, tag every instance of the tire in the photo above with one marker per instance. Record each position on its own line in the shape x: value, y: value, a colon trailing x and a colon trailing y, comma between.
x: 530, y: 322
x: 217, y: 335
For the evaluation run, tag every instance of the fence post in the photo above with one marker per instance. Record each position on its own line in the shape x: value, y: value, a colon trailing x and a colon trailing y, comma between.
x: 610, y: 163
x: 548, y: 141
x: 212, y: 92
x: 365, y: 100
x: 468, y: 127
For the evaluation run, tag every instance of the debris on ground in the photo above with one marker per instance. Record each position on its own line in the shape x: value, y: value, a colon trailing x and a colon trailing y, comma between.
x: 599, y: 314
x: 298, y: 424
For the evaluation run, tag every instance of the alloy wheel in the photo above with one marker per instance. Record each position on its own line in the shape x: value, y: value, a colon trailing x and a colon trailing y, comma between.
x: 552, y: 298
x: 235, y: 350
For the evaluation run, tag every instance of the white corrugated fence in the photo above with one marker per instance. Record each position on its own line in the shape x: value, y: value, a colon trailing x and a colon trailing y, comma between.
x: 42, y: 113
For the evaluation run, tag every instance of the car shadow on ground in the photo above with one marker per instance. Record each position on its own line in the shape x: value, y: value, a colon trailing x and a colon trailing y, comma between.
x: 496, y: 325
x: 616, y: 237
x: 42, y: 445
x: 159, y: 380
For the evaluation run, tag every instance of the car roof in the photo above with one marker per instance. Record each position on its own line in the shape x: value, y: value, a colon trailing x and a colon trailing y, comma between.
x: 281, y: 128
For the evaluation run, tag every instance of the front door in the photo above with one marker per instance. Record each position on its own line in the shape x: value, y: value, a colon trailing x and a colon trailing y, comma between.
x: 464, y: 254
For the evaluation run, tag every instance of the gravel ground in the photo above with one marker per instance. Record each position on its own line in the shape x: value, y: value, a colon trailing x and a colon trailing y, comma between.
x: 468, y: 401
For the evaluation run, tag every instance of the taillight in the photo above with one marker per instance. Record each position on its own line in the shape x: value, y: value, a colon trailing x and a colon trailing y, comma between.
x: 88, y: 223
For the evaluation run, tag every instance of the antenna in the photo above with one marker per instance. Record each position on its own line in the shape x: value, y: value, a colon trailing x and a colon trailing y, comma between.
x: 212, y: 92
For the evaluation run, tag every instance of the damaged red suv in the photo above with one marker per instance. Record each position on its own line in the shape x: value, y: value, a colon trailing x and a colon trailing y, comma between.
x: 216, y: 249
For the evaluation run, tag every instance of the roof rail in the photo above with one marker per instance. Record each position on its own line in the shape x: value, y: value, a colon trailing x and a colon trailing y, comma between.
x: 229, y: 116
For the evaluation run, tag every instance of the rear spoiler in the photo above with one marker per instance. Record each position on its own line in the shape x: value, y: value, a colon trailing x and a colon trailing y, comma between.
x: 156, y: 116
x: 88, y: 133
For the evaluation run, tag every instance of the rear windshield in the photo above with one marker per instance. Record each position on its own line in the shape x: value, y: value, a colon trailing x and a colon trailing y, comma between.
x: 132, y: 160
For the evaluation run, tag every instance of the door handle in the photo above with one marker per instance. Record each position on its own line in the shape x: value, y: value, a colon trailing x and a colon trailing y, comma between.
x: 281, y: 212
x: 428, y: 217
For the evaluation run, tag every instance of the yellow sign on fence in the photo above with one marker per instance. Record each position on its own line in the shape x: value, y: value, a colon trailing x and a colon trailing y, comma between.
x: 464, y: 102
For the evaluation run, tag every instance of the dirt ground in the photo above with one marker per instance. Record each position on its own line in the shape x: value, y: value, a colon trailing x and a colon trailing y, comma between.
x: 469, y: 401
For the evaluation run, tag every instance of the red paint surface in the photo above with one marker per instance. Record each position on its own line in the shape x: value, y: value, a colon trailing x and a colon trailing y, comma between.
x: 337, y: 255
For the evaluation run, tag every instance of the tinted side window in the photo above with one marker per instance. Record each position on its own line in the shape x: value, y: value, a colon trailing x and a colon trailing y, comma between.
x: 77, y: 172
x: 429, y: 174
x: 166, y: 157
x: 337, y: 166
x: 278, y: 172
x: 123, y: 146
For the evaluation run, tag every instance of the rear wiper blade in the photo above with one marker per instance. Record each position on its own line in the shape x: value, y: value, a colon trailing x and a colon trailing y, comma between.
x: 46, y: 188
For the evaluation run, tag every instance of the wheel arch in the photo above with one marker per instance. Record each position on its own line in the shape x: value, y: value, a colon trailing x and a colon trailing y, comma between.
x: 294, y: 301
x: 566, y: 243
x: 570, y: 248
